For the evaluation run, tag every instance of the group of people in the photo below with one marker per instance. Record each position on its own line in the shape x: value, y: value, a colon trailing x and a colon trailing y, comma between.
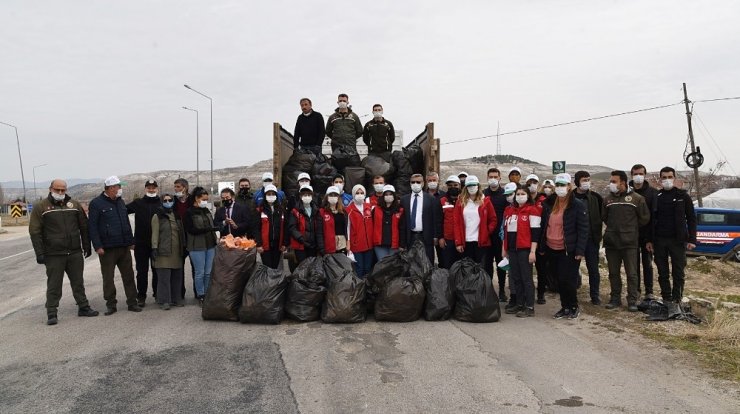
x: 508, y: 229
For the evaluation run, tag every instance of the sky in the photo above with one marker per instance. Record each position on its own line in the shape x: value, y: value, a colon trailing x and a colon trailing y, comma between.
x: 96, y: 88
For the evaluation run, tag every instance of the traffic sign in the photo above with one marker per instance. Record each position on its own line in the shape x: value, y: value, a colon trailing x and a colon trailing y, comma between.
x: 558, y: 167
x: 29, y: 208
x: 15, y: 211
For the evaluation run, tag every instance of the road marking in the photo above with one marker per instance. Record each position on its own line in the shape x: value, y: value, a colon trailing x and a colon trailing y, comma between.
x: 17, y: 254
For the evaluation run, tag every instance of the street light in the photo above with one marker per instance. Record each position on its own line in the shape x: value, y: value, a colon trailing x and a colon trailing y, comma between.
x: 35, y: 194
x: 197, y: 146
x: 20, y: 160
x: 211, y: 100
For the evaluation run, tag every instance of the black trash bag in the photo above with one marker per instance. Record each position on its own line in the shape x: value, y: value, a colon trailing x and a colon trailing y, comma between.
x: 320, y: 183
x: 659, y: 311
x: 401, y: 299
x: 289, y: 180
x: 475, y: 298
x: 416, y: 158
x: 375, y: 165
x: 440, y: 295
x: 264, y: 296
x: 345, y: 296
x: 302, y: 160
x: 231, y: 270
x: 322, y: 166
x: 401, y: 164
x: 306, y: 291
x: 402, y: 184
x: 418, y: 260
x: 344, y: 156
x: 354, y: 176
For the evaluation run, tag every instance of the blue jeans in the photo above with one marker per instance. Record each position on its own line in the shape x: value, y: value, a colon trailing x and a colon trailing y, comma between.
x: 381, y: 252
x: 364, y: 263
x: 203, y: 263
x: 592, y: 264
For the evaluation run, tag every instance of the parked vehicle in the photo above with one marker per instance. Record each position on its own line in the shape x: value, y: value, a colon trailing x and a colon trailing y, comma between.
x: 718, y: 232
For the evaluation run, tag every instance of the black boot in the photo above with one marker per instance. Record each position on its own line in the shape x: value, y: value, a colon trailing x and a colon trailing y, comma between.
x: 87, y: 311
x: 52, y: 319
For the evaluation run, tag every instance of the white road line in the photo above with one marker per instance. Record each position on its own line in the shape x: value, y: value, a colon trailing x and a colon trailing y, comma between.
x: 17, y: 254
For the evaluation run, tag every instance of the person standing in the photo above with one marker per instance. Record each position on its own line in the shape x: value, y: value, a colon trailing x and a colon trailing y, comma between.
x: 233, y: 218
x: 59, y: 235
x: 245, y: 197
x: 334, y: 222
x: 182, y: 188
x: 624, y: 213
x: 144, y: 209
x: 495, y: 193
x: 112, y: 238
x: 564, y: 236
x: 309, y: 129
x: 360, y: 231
x: 638, y: 173
x: 305, y: 227
x: 548, y: 188
x: 378, y: 133
x: 201, y: 239
x: 522, y: 221
x: 343, y: 126
x: 271, y: 238
x: 424, y: 221
x: 168, y: 246
x: 259, y: 197
x: 378, y: 184
x: 475, y: 221
x: 675, y: 232
x: 515, y: 175
x: 339, y: 183
x: 389, y: 225
x: 462, y: 175
x: 433, y: 185
x: 594, y: 206
x: 447, y: 253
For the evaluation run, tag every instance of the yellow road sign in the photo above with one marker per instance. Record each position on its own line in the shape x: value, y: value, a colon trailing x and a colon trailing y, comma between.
x: 15, y: 211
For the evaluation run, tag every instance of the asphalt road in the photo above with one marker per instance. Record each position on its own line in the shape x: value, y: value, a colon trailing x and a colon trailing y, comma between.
x: 173, y: 361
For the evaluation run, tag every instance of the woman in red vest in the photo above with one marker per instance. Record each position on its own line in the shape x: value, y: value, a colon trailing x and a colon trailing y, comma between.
x: 270, y: 238
x: 389, y: 224
x: 448, y: 253
x: 305, y: 226
x: 334, y: 221
x: 522, y: 226
x: 360, y: 231
x: 475, y: 220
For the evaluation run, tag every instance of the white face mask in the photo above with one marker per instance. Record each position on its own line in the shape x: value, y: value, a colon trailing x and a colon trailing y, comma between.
x: 389, y: 198
x: 152, y: 195
x: 378, y: 187
x: 416, y: 188
x: 613, y: 188
x: 57, y: 197
x: 203, y: 204
x: 378, y: 114
x: 533, y: 188
x: 561, y: 191
x: 472, y: 190
x: 667, y: 184
x: 510, y: 198
x: 271, y: 198
x: 432, y: 185
x: 342, y: 105
x: 547, y: 191
x: 308, y: 113
x: 638, y: 179
x: 521, y: 199
x: 119, y: 194
x: 492, y: 182
x: 586, y: 185
x: 306, y: 200
x: 179, y: 194
x: 340, y: 187
x: 332, y: 200
x: 359, y: 198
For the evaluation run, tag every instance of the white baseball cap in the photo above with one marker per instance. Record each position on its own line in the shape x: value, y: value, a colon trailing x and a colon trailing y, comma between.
x: 267, y: 176
x: 471, y: 180
x: 453, y: 179
x: 303, y: 175
x: 270, y: 187
x: 462, y: 173
x: 389, y: 187
x: 532, y: 177
x: 515, y: 169
x: 548, y: 182
x: 306, y: 188
x: 509, y: 188
x: 563, y: 178
x: 333, y: 189
x: 113, y: 180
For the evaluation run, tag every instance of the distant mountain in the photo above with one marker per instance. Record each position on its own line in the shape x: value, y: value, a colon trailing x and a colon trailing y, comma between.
x: 45, y: 184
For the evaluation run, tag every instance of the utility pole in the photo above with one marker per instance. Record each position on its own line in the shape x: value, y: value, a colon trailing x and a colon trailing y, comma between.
x: 498, y: 141
x: 693, y: 147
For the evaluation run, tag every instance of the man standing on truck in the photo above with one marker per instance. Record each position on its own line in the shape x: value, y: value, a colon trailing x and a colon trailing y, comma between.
x: 343, y: 126
x: 309, y: 129
x: 378, y: 133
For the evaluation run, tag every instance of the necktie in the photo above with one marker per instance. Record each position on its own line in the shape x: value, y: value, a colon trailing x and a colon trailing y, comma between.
x: 413, y: 211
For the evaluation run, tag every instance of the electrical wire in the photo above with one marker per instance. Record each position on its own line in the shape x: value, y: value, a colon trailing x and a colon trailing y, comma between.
x: 715, y: 142
x: 719, y: 99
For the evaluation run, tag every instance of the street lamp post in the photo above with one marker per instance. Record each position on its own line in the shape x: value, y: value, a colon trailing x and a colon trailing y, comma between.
x: 197, y: 146
x: 20, y: 159
x: 211, y: 101
x: 36, y: 194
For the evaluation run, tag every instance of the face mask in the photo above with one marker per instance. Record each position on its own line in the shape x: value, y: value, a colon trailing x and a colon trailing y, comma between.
x: 561, y: 191
x: 226, y: 203
x: 203, y: 204
x: 453, y: 192
x: 586, y: 185
x: 152, y: 195
x: 547, y: 191
x: 492, y: 182
x: 271, y: 198
x: 432, y: 185
x: 613, y: 188
x: 416, y: 188
x: 244, y: 190
x: 306, y: 200
x: 179, y: 194
x: 119, y: 194
x: 168, y: 204
x: 359, y: 198
x: 378, y: 114
x: 638, y: 179
x: 521, y: 199
x: 667, y: 184
x: 57, y: 197
x: 342, y: 105
x: 472, y: 190
x: 308, y: 114
x: 378, y: 187
x: 510, y: 198
x: 389, y: 198
x: 533, y: 188
x: 332, y: 200
x: 340, y: 187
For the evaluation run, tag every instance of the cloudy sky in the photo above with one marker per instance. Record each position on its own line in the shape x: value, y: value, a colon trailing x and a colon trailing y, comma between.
x: 96, y: 88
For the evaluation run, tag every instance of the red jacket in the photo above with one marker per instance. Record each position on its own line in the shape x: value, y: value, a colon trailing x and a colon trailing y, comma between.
x: 395, y: 227
x: 330, y: 241
x: 360, y: 227
x: 265, y: 229
x: 525, y: 220
x: 374, y: 199
x: 487, y: 223
x: 448, y: 224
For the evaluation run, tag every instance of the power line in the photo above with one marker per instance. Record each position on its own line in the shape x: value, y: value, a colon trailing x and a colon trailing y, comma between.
x: 715, y: 142
x: 719, y: 99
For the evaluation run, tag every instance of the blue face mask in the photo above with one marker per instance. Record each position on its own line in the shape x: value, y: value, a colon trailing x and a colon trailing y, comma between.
x: 168, y: 204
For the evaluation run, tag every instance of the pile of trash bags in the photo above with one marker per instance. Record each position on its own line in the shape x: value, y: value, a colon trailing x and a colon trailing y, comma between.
x: 398, y: 284
x: 231, y: 270
x: 320, y: 169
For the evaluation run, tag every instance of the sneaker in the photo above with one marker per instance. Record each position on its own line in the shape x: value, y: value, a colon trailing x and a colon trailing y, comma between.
x: 134, y: 308
x: 52, y: 320
x: 632, y: 308
x: 596, y: 301
x: 574, y: 313
x: 612, y: 305
x: 141, y: 301
x: 511, y: 310
x: 87, y: 311
x: 502, y: 297
x: 165, y: 306
x: 178, y: 304
x: 541, y: 301
x: 525, y: 313
x: 562, y: 313
x: 110, y: 311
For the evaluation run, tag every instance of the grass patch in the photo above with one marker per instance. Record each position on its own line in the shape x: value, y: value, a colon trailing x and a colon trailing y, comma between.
x: 701, y: 266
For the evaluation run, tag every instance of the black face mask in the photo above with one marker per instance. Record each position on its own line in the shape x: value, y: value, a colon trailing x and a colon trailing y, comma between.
x: 226, y: 203
x: 244, y: 191
x: 453, y: 192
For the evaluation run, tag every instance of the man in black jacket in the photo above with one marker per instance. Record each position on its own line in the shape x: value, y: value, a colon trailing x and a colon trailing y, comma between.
x: 144, y: 209
x: 233, y: 218
x: 495, y: 193
x: 674, y: 232
x: 424, y: 220
x: 309, y: 129
x: 643, y: 188
x: 594, y: 205
x: 378, y: 133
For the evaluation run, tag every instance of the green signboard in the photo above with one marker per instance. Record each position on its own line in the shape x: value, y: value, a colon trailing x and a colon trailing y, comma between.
x: 558, y: 167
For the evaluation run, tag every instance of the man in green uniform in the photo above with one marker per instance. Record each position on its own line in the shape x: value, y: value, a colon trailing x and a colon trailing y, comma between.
x: 344, y: 126
x: 58, y: 230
